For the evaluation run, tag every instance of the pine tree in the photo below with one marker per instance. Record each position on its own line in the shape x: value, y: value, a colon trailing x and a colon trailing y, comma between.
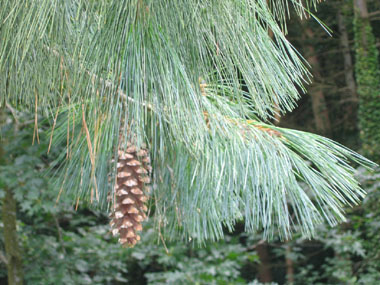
x: 197, y: 82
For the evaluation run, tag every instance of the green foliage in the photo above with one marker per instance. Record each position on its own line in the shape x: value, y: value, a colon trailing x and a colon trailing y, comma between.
x: 356, y: 253
x: 52, y: 255
x: 24, y: 168
x: 63, y: 246
x: 85, y: 256
x: 82, y: 251
x: 367, y: 71
x: 215, y: 263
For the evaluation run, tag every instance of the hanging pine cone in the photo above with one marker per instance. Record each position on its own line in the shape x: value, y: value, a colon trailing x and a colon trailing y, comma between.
x: 131, y: 194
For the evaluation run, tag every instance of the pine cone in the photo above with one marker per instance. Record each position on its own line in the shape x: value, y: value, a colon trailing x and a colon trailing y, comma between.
x: 131, y: 194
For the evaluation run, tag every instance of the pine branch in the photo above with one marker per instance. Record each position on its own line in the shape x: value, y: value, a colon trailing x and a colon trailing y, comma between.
x: 107, y: 83
x: 198, y: 83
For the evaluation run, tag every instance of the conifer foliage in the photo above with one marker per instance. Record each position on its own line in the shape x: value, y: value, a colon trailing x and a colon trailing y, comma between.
x: 161, y: 67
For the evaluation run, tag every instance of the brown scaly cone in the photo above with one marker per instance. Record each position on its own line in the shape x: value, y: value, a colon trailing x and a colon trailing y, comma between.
x: 131, y: 194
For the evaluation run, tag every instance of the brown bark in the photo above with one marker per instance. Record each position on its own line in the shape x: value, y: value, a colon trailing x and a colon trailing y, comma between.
x: 351, y: 95
x: 360, y: 7
x: 348, y: 66
x: 265, y: 274
x: 289, y: 264
x: 318, y: 101
x: 12, y: 249
x: 13, y: 254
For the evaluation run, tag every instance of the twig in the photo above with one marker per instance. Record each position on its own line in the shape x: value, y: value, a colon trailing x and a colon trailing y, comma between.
x: 372, y: 14
x: 52, y: 131
x: 252, y: 247
x: 3, y: 258
x: 61, y: 189
x: 77, y: 204
x: 92, y: 156
x: 60, y: 239
x: 107, y: 83
x: 35, y: 131
x: 13, y: 111
x: 162, y: 238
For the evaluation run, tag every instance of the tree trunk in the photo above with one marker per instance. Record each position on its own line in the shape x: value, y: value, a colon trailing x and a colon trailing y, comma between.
x: 13, y: 254
x: 265, y: 274
x: 361, y: 8
x: 12, y: 249
x: 350, y: 100
x: 367, y: 71
x: 348, y: 66
x: 318, y: 101
x: 289, y: 264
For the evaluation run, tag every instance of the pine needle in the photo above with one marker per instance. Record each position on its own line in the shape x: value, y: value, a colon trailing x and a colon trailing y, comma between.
x: 35, y: 131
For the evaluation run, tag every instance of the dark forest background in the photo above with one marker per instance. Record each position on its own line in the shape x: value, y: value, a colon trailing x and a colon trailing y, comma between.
x: 65, y: 242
